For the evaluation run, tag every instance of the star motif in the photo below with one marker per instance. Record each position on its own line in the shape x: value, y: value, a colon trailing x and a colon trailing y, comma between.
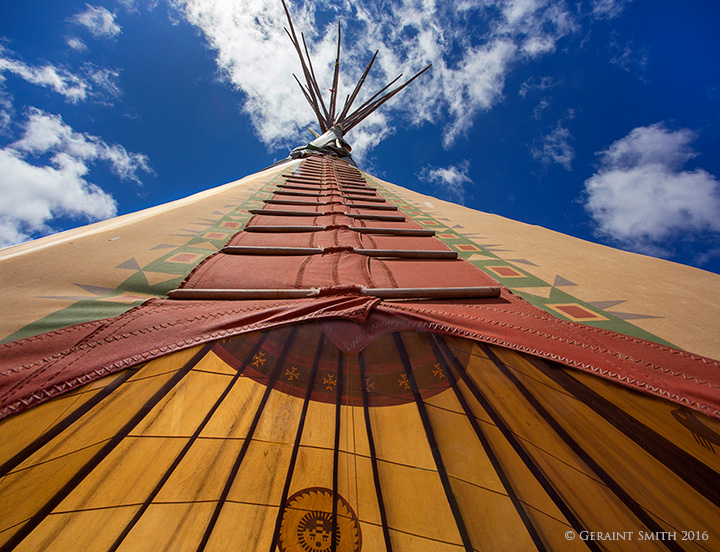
x: 369, y: 384
x: 329, y: 381
x: 259, y: 360
x: 292, y: 373
x: 403, y: 382
x: 438, y: 371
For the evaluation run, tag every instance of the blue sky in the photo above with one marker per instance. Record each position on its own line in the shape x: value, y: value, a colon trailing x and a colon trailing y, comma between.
x: 598, y: 118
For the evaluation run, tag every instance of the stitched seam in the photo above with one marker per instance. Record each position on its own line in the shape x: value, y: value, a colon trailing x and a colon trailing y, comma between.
x: 595, y: 348
x: 116, y: 336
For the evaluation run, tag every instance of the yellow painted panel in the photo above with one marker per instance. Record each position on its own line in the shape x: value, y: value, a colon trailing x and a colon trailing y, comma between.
x: 125, y: 476
x: 348, y: 485
x: 653, y: 486
x: 372, y: 537
x: 696, y: 434
x: 169, y: 527
x: 243, y: 527
x: 649, y: 482
x: 89, y: 531
x: 491, y: 520
x: 415, y: 503
x: 461, y: 450
x: 279, y: 419
x: 589, y: 498
x: 20, y: 430
x: 521, y: 479
x: 213, y: 363
x: 357, y: 486
x: 314, y: 468
x: 166, y: 364
x: 103, y: 423
x: 521, y: 364
x: 354, y: 435
x: 234, y: 416
x: 519, y: 415
x: 25, y: 492
x: 400, y: 437
x: 262, y: 474
x: 45, y: 472
x: 202, y: 473
x: 445, y: 400
x: 182, y: 410
x: 404, y: 542
x: 319, y: 428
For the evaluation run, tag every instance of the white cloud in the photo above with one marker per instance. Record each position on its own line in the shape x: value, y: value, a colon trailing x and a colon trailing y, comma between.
x: 73, y: 87
x: 468, y: 74
x: 641, y: 197
x: 76, y: 44
x: 103, y: 82
x: 33, y: 195
x: 629, y: 58
x: 133, y: 6
x: 542, y: 105
x: 98, y: 20
x: 608, y: 9
x: 450, y: 180
x: 34, y: 192
x: 536, y: 84
x: 555, y: 148
x: 130, y: 5
x: 95, y: 83
x: 6, y: 110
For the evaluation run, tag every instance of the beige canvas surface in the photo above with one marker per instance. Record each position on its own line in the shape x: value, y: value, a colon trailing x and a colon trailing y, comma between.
x: 45, y: 275
x: 681, y: 303
x: 677, y: 303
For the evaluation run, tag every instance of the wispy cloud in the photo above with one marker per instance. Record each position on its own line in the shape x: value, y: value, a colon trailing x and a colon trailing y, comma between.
x: 96, y: 83
x: 449, y: 180
x: 469, y: 68
x: 103, y: 82
x: 608, y: 9
x: 536, y: 84
x: 70, y: 85
x: 6, y: 110
x: 76, y: 44
x: 35, y: 191
x: 641, y: 197
x: 629, y: 58
x: 98, y: 20
x: 555, y: 147
x: 542, y: 105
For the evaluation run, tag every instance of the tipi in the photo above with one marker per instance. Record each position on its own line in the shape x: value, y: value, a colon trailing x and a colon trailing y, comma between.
x: 313, y: 359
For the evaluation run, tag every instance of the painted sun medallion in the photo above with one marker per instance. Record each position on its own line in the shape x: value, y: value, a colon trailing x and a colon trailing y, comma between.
x: 307, y: 523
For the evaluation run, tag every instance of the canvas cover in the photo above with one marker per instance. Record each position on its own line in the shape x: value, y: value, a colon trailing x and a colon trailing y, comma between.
x: 344, y: 420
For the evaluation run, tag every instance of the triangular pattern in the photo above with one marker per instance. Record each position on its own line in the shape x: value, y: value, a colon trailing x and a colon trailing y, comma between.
x: 522, y: 261
x: 96, y: 290
x: 130, y: 264
x: 480, y: 256
x: 631, y: 316
x: 562, y: 282
x: 538, y: 291
x: 605, y: 304
x: 154, y: 278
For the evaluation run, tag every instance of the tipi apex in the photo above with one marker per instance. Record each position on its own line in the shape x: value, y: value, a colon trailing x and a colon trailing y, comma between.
x: 333, y: 124
x: 313, y: 359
